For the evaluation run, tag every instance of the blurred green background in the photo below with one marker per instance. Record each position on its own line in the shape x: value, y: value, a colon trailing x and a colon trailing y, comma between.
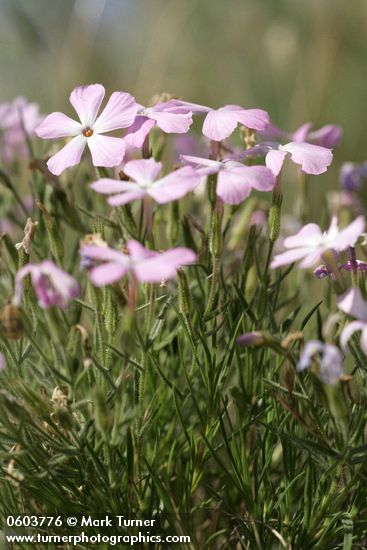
x: 299, y: 59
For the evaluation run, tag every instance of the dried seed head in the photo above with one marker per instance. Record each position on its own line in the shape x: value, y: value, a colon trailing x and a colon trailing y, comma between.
x: 11, y: 322
x: 93, y: 239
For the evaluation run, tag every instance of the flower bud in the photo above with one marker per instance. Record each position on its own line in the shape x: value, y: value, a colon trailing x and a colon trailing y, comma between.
x: 216, y: 238
x: 184, y: 296
x: 251, y: 339
x: 56, y: 244
x: 274, y: 215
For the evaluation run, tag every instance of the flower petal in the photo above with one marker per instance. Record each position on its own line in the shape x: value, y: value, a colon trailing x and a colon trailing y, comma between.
x: 348, y: 331
x: 108, y: 186
x: 138, y: 131
x: 138, y: 252
x: 312, y: 158
x: 171, y: 122
x: 124, y: 198
x: 274, y: 160
x: 175, y: 185
x: 102, y: 253
x: 58, y: 125
x: 288, y: 257
x: 164, y: 266
x: 119, y: 112
x: 256, y: 119
x: 105, y: 150
x: 67, y: 156
x: 328, y: 136
x: 87, y: 100
x: 220, y: 124
x: 352, y: 303
x: 307, y: 236
x: 143, y: 171
x: 107, y: 274
x: 348, y: 236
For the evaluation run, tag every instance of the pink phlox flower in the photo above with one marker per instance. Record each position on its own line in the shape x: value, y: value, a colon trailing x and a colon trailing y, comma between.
x: 313, y: 159
x: 107, y: 151
x: 52, y: 285
x: 220, y: 123
x: 328, y: 136
x: 310, y: 242
x: 145, y: 181
x: 235, y: 180
x: 107, y: 266
x: 169, y: 117
x: 353, y: 304
x: 330, y: 360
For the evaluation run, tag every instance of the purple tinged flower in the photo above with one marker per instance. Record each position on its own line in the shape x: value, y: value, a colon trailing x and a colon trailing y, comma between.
x: 52, y: 285
x: 107, y: 266
x: 251, y: 339
x: 322, y: 271
x: 169, y: 117
x: 353, y: 304
x: 108, y: 151
x: 235, y: 180
x: 351, y: 266
x: 310, y: 242
x: 330, y: 362
x: 145, y: 182
x: 220, y: 123
x: 352, y: 175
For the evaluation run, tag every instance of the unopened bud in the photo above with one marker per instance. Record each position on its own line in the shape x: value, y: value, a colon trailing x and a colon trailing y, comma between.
x: 184, y: 296
x: 274, y: 215
x: 251, y: 339
x: 56, y: 244
x: 216, y: 238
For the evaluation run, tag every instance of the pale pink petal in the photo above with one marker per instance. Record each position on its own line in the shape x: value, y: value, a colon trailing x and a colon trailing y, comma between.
x: 194, y: 107
x: 200, y: 161
x: 119, y: 112
x: 288, y: 257
x: 87, y: 100
x: 138, y: 131
x: 353, y: 304
x: 138, y: 252
x: 312, y: 257
x: 256, y: 119
x: 364, y: 340
x: 175, y: 185
x: 274, y: 160
x: 232, y: 186
x: 300, y: 135
x: 124, y: 198
x: 103, y: 253
x: 58, y: 125
x: 312, y: 158
x: 220, y: 124
x: 107, y: 186
x: 67, y: 156
x: 260, y: 177
x: 348, y: 331
x: 164, y: 266
x: 105, y: 150
x: 307, y: 236
x: 107, y: 274
x: 172, y: 123
x: 348, y: 236
x: 143, y: 171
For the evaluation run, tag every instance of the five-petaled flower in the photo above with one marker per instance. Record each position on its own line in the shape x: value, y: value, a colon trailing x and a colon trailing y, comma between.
x: 310, y: 243
x: 106, y: 265
x: 235, y: 180
x: 146, y: 183
x: 107, y: 151
x: 220, y: 123
x: 52, y: 285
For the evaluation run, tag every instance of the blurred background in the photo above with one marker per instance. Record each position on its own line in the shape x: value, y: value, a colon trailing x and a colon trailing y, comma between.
x: 302, y: 60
